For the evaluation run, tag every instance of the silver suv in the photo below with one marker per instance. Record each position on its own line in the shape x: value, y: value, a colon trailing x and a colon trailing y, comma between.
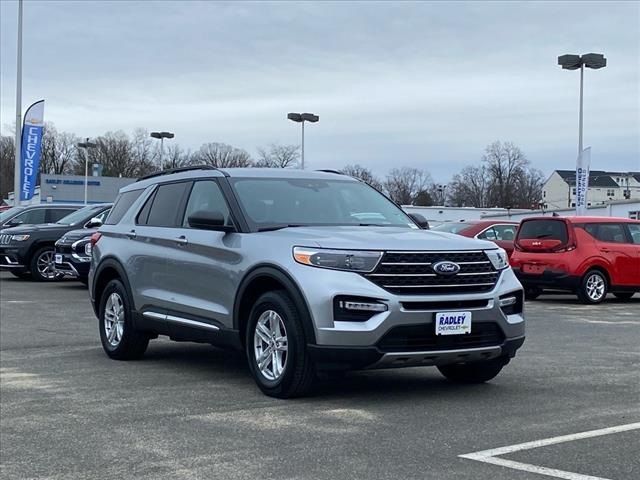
x: 306, y: 272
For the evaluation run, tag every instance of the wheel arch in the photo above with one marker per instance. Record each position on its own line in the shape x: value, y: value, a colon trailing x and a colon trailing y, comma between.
x: 109, y: 269
x: 262, y: 279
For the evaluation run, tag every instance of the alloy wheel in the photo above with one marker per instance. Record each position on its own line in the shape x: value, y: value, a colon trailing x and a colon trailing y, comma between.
x: 46, y: 266
x: 595, y: 287
x: 270, y: 345
x: 114, y: 319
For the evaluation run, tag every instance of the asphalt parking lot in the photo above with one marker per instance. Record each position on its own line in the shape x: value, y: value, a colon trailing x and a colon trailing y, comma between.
x: 192, y: 411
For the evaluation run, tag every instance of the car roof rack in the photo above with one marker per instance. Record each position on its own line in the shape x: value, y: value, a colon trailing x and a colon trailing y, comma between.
x: 328, y: 170
x: 176, y: 170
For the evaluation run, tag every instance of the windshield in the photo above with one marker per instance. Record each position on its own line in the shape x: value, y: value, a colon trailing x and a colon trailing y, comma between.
x: 79, y: 216
x: 7, y: 214
x: 286, y: 201
x: 451, y: 227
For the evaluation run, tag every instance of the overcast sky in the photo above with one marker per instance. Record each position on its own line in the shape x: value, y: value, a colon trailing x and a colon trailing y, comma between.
x: 427, y: 85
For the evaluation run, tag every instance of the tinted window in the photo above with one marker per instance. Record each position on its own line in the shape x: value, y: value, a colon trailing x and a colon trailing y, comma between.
x: 634, y: 229
x: 284, y: 201
x: 143, y: 215
x: 206, y: 196
x: 166, y: 205
x: 123, y: 203
x: 607, y: 232
x: 55, y: 214
x: 543, y: 230
x: 4, y: 216
x: 30, y: 217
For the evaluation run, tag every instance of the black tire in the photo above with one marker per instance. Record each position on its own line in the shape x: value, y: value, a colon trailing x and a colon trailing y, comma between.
x: 593, y: 280
x: 624, y: 295
x: 40, y: 255
x: 131, y: 344
x: 298, y: 373
x: 477, y: 372
x: 21, y: 274
x: 531, y: 293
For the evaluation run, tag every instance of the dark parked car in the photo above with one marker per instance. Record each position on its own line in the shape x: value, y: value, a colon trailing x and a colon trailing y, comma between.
x: 35, y: 214
x: 29, y: 250
x: 498, y: 231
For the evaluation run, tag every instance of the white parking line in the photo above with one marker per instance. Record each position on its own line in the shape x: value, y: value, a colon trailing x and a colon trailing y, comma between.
x: 490, y: 456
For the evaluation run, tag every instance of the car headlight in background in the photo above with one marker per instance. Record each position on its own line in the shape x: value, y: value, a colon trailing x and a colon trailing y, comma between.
x: 19, y: 238
x: 87, y: 249
x: 349, y: 260
x: 499, y: 258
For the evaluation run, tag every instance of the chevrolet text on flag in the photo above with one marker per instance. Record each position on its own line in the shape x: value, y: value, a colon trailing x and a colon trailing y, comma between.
x: 582, y: 181
x: 31, y: 149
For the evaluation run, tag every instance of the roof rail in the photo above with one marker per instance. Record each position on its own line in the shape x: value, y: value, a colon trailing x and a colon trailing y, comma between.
x: 176, y: 170
x: 329, y: 170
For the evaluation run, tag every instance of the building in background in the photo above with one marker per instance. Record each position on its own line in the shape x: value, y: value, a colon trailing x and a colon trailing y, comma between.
x: 437, y: 215
x: 622, y: 208
x: 559, y: 191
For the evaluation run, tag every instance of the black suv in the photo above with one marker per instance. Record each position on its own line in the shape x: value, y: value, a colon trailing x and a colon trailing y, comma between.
x: 35, y: 214
x: 29, y: 250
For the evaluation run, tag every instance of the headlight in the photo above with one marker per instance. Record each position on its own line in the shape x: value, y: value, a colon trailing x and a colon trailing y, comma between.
x: 19, y: 238
x: 350, y: 260
x: 87, y: 249
x: 499, y: 258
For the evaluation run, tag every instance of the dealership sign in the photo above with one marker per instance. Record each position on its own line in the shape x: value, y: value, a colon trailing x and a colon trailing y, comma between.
x: 31, y: 149
x: 582, y: 181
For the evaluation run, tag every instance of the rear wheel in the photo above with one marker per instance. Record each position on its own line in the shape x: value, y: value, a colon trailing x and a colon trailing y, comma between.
x: 276, y: 347
x: 593, y: 288
x: 42, y: 266
x: 624, y: 295
x: 531, y: 293
x: 477, y: 372
x: 119, y: 339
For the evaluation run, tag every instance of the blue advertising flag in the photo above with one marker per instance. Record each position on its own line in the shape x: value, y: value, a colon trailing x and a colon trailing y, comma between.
x: 31, y: 149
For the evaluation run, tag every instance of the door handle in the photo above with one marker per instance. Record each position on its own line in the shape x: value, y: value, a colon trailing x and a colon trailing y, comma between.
x: 182, y: 240
x: 131, y: 234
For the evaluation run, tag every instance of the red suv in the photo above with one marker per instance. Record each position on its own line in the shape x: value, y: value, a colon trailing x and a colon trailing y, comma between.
x: 590, y: 256
x: 500, y: 232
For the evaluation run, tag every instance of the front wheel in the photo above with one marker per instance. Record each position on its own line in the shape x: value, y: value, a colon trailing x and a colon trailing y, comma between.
x: 593, y: 288
x: 42, y: 266
x: 276, y: 347
x: 477, y: 372
x: 119, y: 339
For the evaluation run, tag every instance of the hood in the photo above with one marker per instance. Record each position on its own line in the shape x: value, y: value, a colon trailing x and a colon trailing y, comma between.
x: 75, y: 235
x: 34, y: 228
x: 377, y: 238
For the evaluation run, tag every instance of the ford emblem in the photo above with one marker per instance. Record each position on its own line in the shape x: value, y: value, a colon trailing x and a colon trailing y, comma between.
x: 446, y: 268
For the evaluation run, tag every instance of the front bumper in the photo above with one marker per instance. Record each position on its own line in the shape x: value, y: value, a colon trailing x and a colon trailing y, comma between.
x: 549, y: 280
x: 12, y: 258
x: 70, y: 266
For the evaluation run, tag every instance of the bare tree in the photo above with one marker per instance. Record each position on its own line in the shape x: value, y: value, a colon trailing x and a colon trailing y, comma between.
x: 364, y: 174
x: 143, y: 154
x: 505, y: 163
x: 529, y: 186
x: 58, y: 150
x: 7, y: 165
x: 278, y: 156
x: 175, y: 157
x: 221, y: 155
x: 470, y: 187
x: 406, y: 186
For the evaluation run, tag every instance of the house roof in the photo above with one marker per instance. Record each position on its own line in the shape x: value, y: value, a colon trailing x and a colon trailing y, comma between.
x: 597, y: 178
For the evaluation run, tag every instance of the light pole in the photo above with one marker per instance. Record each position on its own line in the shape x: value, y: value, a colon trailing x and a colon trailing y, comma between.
x: 575, y: 62
x: 18, y: 145
x: 301, y: 118
x: 86, y: 146
x: 161, y: 136
x: 442, y: 191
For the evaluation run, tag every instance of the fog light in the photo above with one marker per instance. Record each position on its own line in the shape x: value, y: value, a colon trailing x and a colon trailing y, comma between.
x: 363, y: 307
x: 512, y: 303
x: 505, y: 302
x: 356, y: 309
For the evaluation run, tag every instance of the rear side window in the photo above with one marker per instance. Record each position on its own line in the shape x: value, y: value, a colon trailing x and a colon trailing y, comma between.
x: 607, y: 232
x: 543, y: 230
x: 167, y: 205
x: 122, y: 204
x: 634, y: 230
x: 55, y: 214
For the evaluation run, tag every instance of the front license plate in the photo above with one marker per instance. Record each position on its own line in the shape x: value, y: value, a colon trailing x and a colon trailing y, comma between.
x: 58, y: 258
x: 453, y: 323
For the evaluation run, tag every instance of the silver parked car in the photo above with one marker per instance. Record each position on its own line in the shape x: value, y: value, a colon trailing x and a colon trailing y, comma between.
x: 304, y: 271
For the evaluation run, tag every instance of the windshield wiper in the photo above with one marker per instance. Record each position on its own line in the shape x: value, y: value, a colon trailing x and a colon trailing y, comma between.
x: 270, y: 228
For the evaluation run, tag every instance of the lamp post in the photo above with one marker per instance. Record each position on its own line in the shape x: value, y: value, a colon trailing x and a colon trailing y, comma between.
x: 161, y: 136
x: 85, y: 146
x: 442, y: 191
x: 575, y: 62
x: 301, y: 118
x: 18, y: 145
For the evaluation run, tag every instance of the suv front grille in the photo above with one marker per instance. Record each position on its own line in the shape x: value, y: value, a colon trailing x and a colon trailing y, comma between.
x: 5, y: 239
x: 415, y: 338
x: 411, y: 273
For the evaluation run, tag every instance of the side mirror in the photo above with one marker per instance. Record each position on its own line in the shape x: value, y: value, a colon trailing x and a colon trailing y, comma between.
x: 95, y: 222
x: 420, y: 220
x: 206, y: 220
